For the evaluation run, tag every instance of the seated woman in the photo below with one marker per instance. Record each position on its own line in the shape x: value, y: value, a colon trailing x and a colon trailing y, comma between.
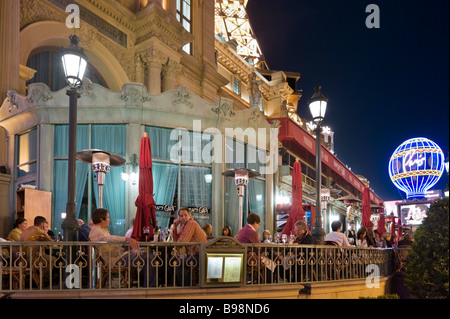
x: 20, y: 225
x: 361, y: 237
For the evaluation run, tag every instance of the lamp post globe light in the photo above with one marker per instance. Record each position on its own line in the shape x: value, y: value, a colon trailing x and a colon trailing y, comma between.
x: 74, y: 62
x: 318, y: 106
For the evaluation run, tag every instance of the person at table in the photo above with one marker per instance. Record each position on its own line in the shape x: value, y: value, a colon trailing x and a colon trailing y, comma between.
x: 226, y: 231
x: 38, y: 233
x: 336, y: 235
x: 20, y: 224
x: 303, y: 237
x: 99, y: 232
x: 267, y: 236
x: 207, y: 228
x: 248, y: 233
x: 186, y: 230
x: 352, y: 234
x: 84, y: 230
x: 361, y: 237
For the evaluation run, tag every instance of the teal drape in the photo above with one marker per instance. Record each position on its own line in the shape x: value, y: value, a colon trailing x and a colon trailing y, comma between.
x: 165, y: 178
x: 112, y: 138
x: 60, y: 182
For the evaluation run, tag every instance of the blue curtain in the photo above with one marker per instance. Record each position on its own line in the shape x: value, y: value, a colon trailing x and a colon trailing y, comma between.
x: 165, y: 177
x: 112, y: 138
x: 257, y: 200
x: 195, y: 190
x: 60, y: 171
x: 160, y: 141
x: 235, y: 157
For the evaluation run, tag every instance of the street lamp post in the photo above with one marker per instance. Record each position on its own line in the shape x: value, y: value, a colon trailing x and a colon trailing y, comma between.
x: 74, y: 62
x: 317, y: 107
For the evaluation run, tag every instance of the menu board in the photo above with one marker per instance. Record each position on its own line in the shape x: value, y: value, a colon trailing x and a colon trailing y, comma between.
x: 224, y: 268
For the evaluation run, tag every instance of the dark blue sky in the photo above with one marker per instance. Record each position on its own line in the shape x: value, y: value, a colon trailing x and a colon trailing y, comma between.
x: 384, y: 85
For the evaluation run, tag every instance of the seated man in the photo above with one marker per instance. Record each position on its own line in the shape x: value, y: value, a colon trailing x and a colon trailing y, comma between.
x: 99, y: 232
x: 189, y: 231
x: 38, y: 232
x: 336, y: 236
x: 248, y: 234
x: 303, y: 237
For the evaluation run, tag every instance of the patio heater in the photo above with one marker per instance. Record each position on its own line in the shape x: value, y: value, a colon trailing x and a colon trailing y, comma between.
x: 241, y: 177
x: 101, y: 162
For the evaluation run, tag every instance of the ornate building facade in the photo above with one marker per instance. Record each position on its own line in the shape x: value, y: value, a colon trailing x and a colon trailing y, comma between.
x: 187, y: 72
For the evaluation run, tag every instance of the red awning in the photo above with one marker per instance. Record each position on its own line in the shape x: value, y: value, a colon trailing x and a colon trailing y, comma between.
x: 292, y: 134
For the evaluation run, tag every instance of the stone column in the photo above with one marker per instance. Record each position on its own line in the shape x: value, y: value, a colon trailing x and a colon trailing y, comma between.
x: 170, y: 71
x: 26, y: 74
x: 172, y: 7
x: 154, y: 60
x: 46, y: 152
x: 140, y: 75
x: 9, y: 46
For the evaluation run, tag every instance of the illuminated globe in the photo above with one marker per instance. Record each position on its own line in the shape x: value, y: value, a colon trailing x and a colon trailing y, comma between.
x: 416, y: 166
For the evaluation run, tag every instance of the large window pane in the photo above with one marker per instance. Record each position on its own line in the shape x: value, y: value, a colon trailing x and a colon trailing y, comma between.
x: 195, y: 191
x: 27, y: 153
x: 257, y: 200
x: 165, y: 177
x: 161, y: 143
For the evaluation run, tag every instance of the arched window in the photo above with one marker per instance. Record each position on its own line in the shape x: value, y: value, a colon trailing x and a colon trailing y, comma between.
x: 49, y: 69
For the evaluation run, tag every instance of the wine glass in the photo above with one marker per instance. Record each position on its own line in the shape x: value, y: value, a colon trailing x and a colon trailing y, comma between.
x: 146, y: 230
x: 284, y: 238
x: 291, y: 238
x: 277, y: 238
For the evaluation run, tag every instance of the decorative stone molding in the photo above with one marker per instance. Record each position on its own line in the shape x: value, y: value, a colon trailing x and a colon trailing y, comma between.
x: 36, y: 10
x: 86, y: 89
x: 153, y: 56
x: 183, y: 96
x: 11, y: 100
x: 38, y: 92
x: 133, y: 95
x: 255, y: 114
x: 225, y: 107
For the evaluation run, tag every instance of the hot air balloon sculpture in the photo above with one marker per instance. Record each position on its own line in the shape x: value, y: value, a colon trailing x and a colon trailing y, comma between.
x: 416, y: 166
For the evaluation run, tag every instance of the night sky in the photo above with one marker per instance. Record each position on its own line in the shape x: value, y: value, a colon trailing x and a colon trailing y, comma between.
x: 384, y: 85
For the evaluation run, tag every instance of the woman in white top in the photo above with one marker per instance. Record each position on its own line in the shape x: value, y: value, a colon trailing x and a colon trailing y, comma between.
x: 361, y: 237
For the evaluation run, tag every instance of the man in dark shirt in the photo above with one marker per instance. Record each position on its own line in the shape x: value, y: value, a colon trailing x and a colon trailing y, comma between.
x: 302, y: 233
x: 304, y: 237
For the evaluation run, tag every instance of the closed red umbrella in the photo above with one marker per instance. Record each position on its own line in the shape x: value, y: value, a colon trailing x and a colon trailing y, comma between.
x: 146, y: 206
x: 297, y: 211
x: 381, y: 227
x: 367, y: 211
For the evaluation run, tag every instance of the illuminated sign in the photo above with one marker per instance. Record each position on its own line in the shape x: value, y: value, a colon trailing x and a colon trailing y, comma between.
x: 413, y: 214
x: 416, y: 166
